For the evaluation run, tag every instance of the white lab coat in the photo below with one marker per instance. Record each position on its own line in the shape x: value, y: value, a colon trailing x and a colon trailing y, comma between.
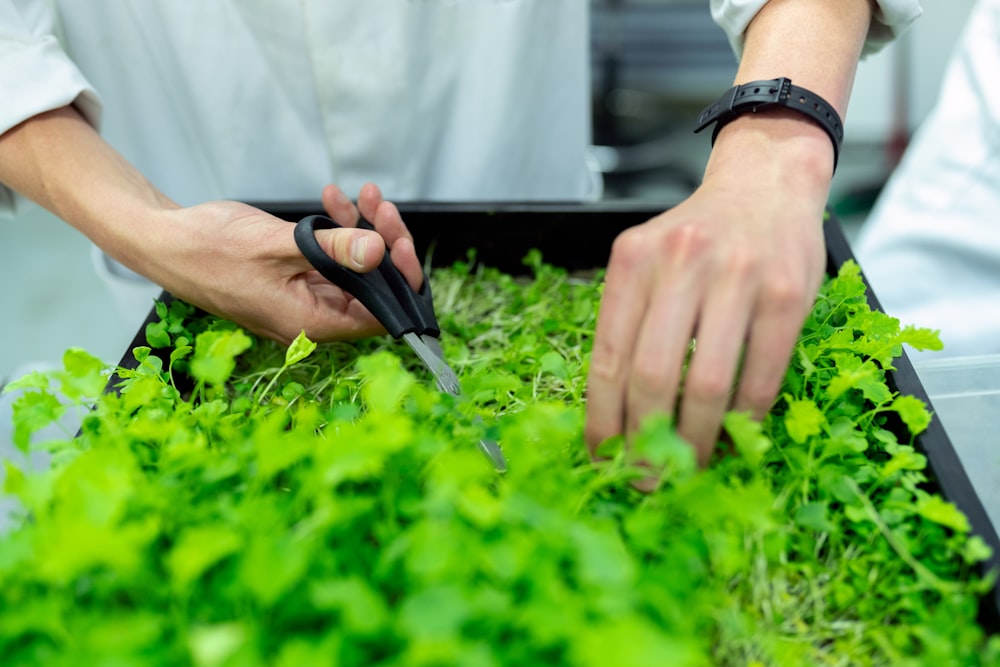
x: 269, y: 99
x: 931, y: 246
x: 265, y: 100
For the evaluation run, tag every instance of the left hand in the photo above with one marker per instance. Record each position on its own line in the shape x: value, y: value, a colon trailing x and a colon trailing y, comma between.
x: 736, y: 268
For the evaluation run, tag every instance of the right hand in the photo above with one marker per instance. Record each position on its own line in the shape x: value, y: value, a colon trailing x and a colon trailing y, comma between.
x: 242, y: 264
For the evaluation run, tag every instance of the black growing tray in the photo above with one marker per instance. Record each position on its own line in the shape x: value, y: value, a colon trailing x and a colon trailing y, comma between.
x: 578, y: 236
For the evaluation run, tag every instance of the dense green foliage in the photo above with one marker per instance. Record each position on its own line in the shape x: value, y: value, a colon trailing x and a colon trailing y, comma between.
x: 241, y: 504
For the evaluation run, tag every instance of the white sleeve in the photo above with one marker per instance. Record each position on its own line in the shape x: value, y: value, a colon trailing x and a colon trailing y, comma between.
x: 891, y: 18
x: 36, y: 75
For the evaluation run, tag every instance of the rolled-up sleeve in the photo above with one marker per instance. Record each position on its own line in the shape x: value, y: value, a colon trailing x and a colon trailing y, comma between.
x: 891, y: 18
x: 36, y: 74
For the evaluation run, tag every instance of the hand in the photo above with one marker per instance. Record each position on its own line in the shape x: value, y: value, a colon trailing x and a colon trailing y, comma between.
x: 736, y: 268
x: 241, y: 263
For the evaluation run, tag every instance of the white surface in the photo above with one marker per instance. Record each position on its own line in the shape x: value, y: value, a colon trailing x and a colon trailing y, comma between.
x: 52, y: 298
x: 965, y: 394
x: 922, y: 53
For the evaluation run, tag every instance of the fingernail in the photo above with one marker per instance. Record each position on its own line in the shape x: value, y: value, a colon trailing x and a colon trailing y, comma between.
x: 359, y: 249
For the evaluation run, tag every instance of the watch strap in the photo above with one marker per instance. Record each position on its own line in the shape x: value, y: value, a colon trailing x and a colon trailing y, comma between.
x: 749, y: 97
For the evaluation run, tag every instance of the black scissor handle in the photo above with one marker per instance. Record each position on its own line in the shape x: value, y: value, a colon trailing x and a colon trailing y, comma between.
x: 384, y: 291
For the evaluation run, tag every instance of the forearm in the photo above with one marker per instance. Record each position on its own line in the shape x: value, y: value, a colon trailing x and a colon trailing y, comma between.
x: 815, y: 43
x: 59, y: 161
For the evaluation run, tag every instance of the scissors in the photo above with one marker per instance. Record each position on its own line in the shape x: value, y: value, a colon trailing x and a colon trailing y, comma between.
x: 404, y: 313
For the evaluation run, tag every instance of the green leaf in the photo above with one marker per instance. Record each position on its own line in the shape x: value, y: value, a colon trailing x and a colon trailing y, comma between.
x: 659, y: 445
x: 180, y: 352
x: 292, y: 390
x: 815, y: 516
x: 803, y: 419
x: 272, y: 566
x: 554, y: 364
x: 156, y: 334
x: 603, y: 560
x: 301, y: 651
x: 902, y: 457
x: 33, y: 380
x: 937, y: 509
x: 387, y: 382
x: 853, y: 373
x: 436, y: 612
x: 198, y: 549
x: 141, y: 353
x: 300, y: 348
x: 634, y: 642
x: 846, y: 438
x: 491, y: 384
x: 84, y: 375
x: 33, y: 411
x: 920, y: 338
x: 976, y: 550
x: 747, y: 435
x: 361, y: 608
x: 213, y: 645
x: 913, y: 412
x: 215, y: 354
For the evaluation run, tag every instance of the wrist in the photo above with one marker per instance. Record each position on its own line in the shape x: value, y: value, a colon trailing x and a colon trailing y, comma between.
x: 776, y: 145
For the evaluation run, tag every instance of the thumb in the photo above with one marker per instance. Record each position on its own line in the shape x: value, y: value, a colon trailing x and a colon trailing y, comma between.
x: 360, y: 250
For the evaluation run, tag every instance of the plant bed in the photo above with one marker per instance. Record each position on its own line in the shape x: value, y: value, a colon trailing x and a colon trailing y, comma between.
x: 232, y: 502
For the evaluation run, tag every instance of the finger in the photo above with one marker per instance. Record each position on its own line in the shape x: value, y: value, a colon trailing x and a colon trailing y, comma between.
x: 661, y: 349
x: 383, y: 215
x: 404, y: 256
x: 368, y: 200
x: 389, y: 224
x: 622, y: 306
x: 339, y: 206
x: 360, y: 250
x: 708, y: 384
x: 769, y: 348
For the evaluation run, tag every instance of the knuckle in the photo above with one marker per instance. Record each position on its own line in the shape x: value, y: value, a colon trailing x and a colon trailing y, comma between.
x: 679, y: 244
x: 744, y: 263
x: 627, y: 248
x: 653, y: 385
x: 784, y: 294
x: 340, y: 243
x: 649, y: 381
x: 710, y: 387
x: 606, y: 365
x: 757, y: 396
x: 684, y: 243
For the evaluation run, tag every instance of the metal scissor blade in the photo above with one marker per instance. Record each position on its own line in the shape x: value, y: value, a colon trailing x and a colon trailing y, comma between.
x: 493, y: 452
x: 428, y: 349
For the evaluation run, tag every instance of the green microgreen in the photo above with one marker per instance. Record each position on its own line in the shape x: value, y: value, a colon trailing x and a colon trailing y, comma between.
x: 234, y: 502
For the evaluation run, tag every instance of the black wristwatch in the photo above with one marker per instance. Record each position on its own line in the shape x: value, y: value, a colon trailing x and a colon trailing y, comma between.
x: 750, y: 97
